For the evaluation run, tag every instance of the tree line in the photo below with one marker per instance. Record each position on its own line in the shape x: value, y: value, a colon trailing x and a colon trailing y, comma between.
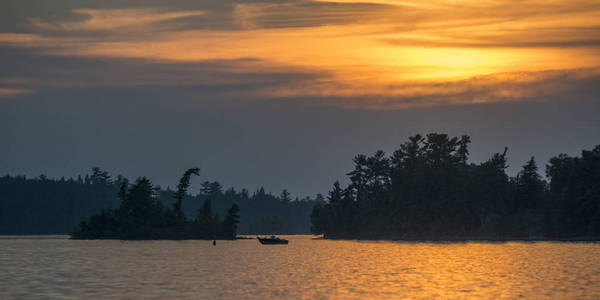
x: 43, y: 205
x: 427, y: 190
x: 142, y: 216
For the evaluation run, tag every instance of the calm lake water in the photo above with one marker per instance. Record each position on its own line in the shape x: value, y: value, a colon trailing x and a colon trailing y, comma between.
x: 34, y: 268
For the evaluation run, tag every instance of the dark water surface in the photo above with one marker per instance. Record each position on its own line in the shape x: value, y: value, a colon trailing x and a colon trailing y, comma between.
x: 57, y: 268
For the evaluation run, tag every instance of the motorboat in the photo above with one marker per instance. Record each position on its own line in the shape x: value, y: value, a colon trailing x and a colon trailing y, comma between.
x: 273, y: 240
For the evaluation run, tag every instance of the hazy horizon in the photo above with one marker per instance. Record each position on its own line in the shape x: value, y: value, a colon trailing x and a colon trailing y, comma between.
x: 285, y: 94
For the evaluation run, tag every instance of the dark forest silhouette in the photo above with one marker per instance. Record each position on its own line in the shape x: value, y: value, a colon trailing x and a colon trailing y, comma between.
x: 426, y: 190
x: 56, y: 206
x: 142, y: 216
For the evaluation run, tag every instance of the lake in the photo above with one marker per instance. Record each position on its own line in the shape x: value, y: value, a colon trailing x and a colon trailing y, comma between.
x: 307, y: 268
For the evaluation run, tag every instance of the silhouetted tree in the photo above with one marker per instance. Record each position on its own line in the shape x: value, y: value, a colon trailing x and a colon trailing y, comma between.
x: 229, y: 225
x: 285, y: 196
x: 428, y: 190
x: 575, y: 194
x: 205, y: 221
x: 100, y: 177
x: 184, y: 184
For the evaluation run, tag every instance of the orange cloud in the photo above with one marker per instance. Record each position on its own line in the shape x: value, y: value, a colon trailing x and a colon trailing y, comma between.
x: 9, y: 92
x: 377, y: 49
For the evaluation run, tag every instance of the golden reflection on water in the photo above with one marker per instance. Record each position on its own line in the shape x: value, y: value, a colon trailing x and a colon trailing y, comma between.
x: 304, y: 269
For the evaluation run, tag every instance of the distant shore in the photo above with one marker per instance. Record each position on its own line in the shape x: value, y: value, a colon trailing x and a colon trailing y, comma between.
x: 162, y: 238
x: 463, y: 239
x: 414, y: 240
x: 159, y: 238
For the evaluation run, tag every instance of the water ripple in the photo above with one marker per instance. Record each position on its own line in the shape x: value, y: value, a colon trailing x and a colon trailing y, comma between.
x: 305, y: 269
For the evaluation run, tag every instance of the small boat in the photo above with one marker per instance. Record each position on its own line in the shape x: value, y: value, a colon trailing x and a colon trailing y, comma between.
x: 273, y: 240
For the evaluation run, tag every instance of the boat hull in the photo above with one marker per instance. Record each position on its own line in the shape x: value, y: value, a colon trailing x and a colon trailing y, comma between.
x: 272, y: 241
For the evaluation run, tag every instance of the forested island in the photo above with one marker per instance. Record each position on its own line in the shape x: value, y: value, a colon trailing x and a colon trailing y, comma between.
x: 427, y: 190
x: 43, y: 205
x: 142, y: 216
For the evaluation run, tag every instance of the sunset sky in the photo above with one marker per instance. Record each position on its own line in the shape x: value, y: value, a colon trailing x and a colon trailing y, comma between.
x: 285, y: 93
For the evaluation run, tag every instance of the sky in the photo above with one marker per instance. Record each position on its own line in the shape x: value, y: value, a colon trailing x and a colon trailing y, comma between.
x: 282, y: 94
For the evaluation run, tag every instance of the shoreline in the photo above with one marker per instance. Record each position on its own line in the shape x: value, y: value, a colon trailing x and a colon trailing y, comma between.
x: 319, y: 237
x: 467, y: 240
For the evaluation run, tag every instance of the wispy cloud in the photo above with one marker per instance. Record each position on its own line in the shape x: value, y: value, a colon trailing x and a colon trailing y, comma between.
x: 123, y: 20
x: 394, y: 53
x: 9, y: 92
